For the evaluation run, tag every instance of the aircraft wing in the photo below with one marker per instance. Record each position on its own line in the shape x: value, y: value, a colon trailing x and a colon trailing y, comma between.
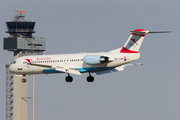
x: 68, y: 70
x: 117, y: 69
x: 40, y: 65
x: 65, y: 69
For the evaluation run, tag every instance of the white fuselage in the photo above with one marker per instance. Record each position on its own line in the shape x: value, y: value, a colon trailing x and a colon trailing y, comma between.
x: 75, y: 61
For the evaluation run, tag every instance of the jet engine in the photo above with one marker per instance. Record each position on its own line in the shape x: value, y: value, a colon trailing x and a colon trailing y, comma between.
x: 95, y: 59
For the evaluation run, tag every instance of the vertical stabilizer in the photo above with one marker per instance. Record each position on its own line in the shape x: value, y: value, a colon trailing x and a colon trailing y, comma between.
x: 134, y: 41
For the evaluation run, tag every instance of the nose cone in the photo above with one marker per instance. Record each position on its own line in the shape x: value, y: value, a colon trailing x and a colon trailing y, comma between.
x: 12, y: 68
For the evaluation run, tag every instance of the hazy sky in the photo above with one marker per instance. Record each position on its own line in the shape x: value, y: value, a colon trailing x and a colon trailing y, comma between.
x: 149, y: 92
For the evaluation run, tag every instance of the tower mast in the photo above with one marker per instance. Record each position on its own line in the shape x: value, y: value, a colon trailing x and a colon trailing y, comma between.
x: 21, y: 42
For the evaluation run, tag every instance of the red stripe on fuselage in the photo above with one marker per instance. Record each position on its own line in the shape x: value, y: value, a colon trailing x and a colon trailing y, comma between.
x: 124, y: 50
x: 29, y: 60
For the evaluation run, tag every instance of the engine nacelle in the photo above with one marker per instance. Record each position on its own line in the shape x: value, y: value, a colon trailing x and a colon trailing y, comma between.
x: 95, y: 59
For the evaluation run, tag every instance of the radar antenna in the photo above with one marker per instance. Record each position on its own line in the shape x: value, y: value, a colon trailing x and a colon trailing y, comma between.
x: 19, y: 17
x: 20, y: 12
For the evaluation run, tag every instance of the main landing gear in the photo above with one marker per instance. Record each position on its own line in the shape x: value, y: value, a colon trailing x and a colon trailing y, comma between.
x: 89, y: 78
x: 69, y: 78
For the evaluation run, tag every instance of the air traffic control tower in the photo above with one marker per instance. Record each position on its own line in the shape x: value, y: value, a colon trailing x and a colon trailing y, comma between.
x: 21, y: 42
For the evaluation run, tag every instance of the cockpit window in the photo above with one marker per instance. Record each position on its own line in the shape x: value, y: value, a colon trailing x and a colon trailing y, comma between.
x: 14, y: 62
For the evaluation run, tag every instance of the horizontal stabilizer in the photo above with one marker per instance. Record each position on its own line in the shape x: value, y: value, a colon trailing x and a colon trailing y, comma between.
x: 146, y: 32
x: 117, y: 69
x: 134, y: 64
x: 159, y: 31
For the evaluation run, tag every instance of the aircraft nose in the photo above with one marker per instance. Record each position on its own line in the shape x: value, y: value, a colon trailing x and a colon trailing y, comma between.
x: 12, y: 68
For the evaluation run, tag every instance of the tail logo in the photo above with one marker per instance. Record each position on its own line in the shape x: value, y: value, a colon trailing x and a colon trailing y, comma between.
x: 29, y: 60
x: 134, y: 41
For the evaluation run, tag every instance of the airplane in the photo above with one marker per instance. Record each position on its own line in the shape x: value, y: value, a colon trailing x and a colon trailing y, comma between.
x: 99, y: 63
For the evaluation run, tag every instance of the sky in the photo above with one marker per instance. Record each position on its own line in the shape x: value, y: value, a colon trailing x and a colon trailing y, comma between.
x: 143, y: 92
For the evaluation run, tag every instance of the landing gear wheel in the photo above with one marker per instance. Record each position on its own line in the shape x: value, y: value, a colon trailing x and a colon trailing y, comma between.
x: 90, y: 78
x: 69, y: 79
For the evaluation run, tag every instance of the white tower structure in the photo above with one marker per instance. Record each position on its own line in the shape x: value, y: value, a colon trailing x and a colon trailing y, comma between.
x: 21, y: 42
